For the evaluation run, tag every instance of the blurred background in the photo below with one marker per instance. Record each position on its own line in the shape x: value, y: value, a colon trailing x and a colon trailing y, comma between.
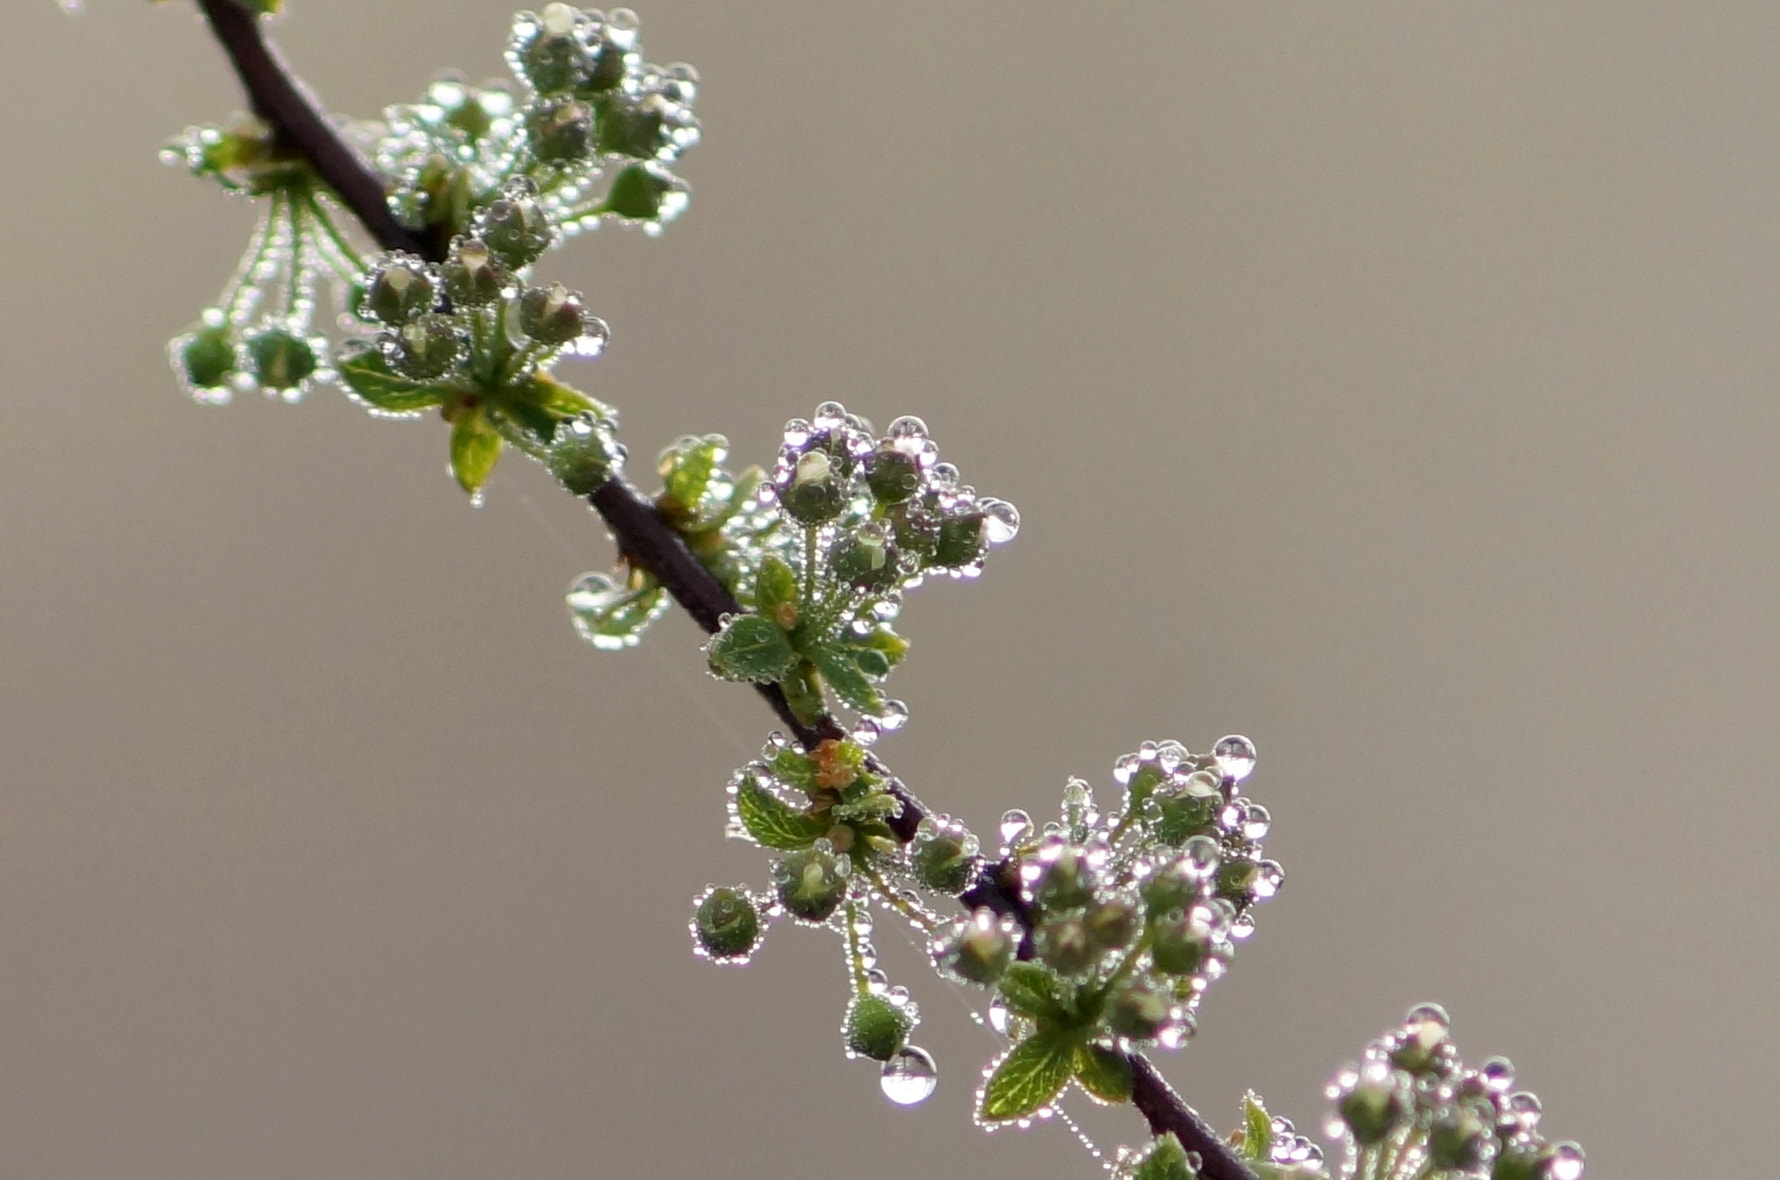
x: 1391, y: 382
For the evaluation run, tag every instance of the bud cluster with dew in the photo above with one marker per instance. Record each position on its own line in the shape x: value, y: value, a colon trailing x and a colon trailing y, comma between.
x: 1091, y: 939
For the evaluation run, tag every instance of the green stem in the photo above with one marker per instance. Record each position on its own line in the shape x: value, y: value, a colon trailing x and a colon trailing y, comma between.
x: 899, y: 903
x: 855, y: 956
x: 348, y: 253
x: 809, y: 563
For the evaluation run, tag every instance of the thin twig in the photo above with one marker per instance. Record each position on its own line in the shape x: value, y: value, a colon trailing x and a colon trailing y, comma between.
x: 644, y: 538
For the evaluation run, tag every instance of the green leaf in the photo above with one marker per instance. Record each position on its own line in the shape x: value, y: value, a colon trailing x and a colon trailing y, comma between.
x: 1104, y: 1072
x: 775, y: 823
x: 1257, y: 1128
x: 1167, y: 1160
x: 554, y: 398
x: 774, y: 585
x: 887, y: 642
x: 793, y: 766
x: 803, y: 694
x: 475, y: 448
x: 1032, y: 1074
x: 840, y: 671
x: 753, y: 649
x: 1033, y: 990
x: 687, y: 468
x: 369, y: 376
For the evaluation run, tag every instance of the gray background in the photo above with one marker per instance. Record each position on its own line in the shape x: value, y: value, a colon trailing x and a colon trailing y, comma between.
x: 1392, y: 382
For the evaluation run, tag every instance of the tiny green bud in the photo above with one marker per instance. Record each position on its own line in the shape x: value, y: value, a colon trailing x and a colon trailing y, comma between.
x: 1137, y: 1010
x: 981, y: 949
x: 1179, y: 945
x: 815, y: 494
x: 876, y: 1028
x: 639, y: 193
x: 1519, y: 1163
x: 516, y: 227
x: 811, y: 884
x: 944, y: 862
x: 892, y: 475
x: 726, y: 924
x: 429, y: 346
x: 864, y: 559
x: 607, y: 72
x: 629, y: 128
x: 474, y: 277
x: 556, y: 60
x: 1066, y: 883
x: 1113, y: 924
x: 552, y: 315
x: 400, y: 289
x: 1236, y: 879
x: 1372, y: 1110
x: 1063, y: 945
x: 560, y: 129
x: 1457, y: 1139
x: 580, y: 456
x: 961, y: 541
x: 282, y: 360
x: 207, y: 357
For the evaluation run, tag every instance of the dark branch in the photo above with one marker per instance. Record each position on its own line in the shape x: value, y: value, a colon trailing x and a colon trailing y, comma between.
x: 644, y: 538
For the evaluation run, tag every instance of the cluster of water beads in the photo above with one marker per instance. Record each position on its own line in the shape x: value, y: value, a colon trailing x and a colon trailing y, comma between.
x: 1411, y: 1109
x: 612, y: 614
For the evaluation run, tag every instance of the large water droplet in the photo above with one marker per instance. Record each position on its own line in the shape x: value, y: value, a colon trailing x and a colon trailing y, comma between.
x: 1235, y: 756
x: 910, y: 1076
x: 1565, y: 1162
x: 1001, y: 521
x: 1016, y: 825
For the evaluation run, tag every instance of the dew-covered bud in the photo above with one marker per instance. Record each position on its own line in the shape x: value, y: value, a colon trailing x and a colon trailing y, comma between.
x: 207, y: 358
x: 1236, y: 880
x: 876, y: 1028
x: 630, y: 128
x: 1372, y: 1109
x: 516, y: 227
x: 980, y: 949
x: 1424, y: 1033
x: 560, y: 129
x: 281, y: 360
x: 581, y: 455
x: 1174, y: 887
x: 428, y: 347
x: 811, y: 884
x: 1457, y: 1140
x: 815, y: 494
x: 642, y: 193
x: 1113, y: 924
x: 1519, y: 1163
x: 961, y: 541
x: 864, y: 559
x: 556, y: 59
x: 473, y: 276
x: 1180, y: 944
x: 944, y: 861
x: 552, y: 315
x: 892, y: 475
x: 1062, y: 944
x: 726, y: 924
x: 400, y: 289
x: 1137, y: 1010
x: 1067, y: 882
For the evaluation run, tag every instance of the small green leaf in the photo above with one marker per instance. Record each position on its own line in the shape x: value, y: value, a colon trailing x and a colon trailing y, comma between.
x: 1033, y: 990
x: 1257, y: 1128
x: 1032, y: 1074
x: 475, y: 448
x: 887, y: 642
x: 1166, y: 1160
x: 775, y: 823
x: 1104, y: 1072
x: 556, y: 399
x: 751, y: 648
x: 803, y: 694
x: 774, y: 585
x: 687, y: 469
x: 793, y: 766
x: 369, y: 376
x: 840, y: 671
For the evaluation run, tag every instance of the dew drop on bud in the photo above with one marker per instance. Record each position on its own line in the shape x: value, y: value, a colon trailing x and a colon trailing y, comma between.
x: 1001, y: 521
x: 1235, y: 756
x: 892, y: 716
x: 1016, y: 825
x: 910, y: 1076
x: 1565, y: 1162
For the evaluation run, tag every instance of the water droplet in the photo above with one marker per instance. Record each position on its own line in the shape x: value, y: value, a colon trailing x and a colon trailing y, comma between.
x: 1256, y: 823
x: 999, y: 1015
x: 1001, y: 521
x: 866, y: 731
x: 1235, y: 756
x: 909, y: 1077
x: 1016, y: 825
x: 1497, y: 1074
x: 893, y: 716
x: 1565, y: 1162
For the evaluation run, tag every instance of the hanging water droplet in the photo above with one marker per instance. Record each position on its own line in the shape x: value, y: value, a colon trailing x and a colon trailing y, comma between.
x: 1497, y: 1073
x: 1001, y: 521
x: 866, y: 731
x: 1565, y: 1162
x: 999, y: 1015
x: 1256, y: 823
x: 1016, y: 825
x: 1235, y: 756
x: 910, y: 1076
x: 893, y: 716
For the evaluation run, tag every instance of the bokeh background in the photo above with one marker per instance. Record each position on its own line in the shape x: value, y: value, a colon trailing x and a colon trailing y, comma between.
x: 1392, y: 382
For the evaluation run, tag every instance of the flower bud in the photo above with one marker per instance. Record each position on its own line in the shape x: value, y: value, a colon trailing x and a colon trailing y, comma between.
x: 815, y: 494
x: 1179, y: 944
x: 1066, y: 883
x: 1113, y: 925
x: 981, y: 949
x: 560, y: 129
x: 811, y: 884
x: 557, y: 59
x: 876, y: 1028
x: 944, y: 862
x: 428, y: 347
x: 207, y: 357
x: 282, y: 361
x: 1457, y: 1140
x: 726, y: 924
x: 865, y: 560
x: 1236, y: 879
x: 516, y: 227
x: 400, y: 289
x: 630, y: 128
x: 1062, y: 944
x: 1372, y: 1110
x: 552, y: 315
x: 473, y: 276
x: 961, y: 541
x: 892, y: 475
x: 1137, y: 1010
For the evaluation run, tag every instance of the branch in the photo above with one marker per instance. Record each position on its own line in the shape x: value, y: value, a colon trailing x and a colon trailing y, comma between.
x: 644, y: 538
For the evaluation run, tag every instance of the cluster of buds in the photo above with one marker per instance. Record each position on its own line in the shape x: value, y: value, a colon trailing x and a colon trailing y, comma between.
x: 1411, y: 1108
x: 860, y: 519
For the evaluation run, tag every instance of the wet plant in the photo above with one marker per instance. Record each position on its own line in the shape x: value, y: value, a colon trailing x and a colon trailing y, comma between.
x: 1092, y: 939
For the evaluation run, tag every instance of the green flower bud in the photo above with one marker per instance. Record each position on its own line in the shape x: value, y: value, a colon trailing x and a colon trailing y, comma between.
x: 552, y: 315
x: 961, y: 541
x: 474, y: 277
x: 281, y: 360
x: 1066, y: 883
x: 207, y: 357
x: 516, y: 227
x: 811, y: 884
x: 1062, y: 944
x: 430, y: 346
x: 400, y: 289
x: 557, y: 59
x: 1519, y: 1163
x: 815, y: 494
x: 1172, y: 888
x: 944, y: 862
x: 1113, y: 924
x: 607, y: 72
x: 581, y: 456
x: 726, y: 924
x: 981, y: 949
x: 1372, y: 1110
x: 1137, y: 1010
x: 1457, y: 1140
x: 876, y: 1028
x: 865, y: 560
x: 629, y: 128
x: 1236, y: 879
x: 1179, y: 945
x: 560, y: 129
x: 892, y: 475
x: 641, y: 193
